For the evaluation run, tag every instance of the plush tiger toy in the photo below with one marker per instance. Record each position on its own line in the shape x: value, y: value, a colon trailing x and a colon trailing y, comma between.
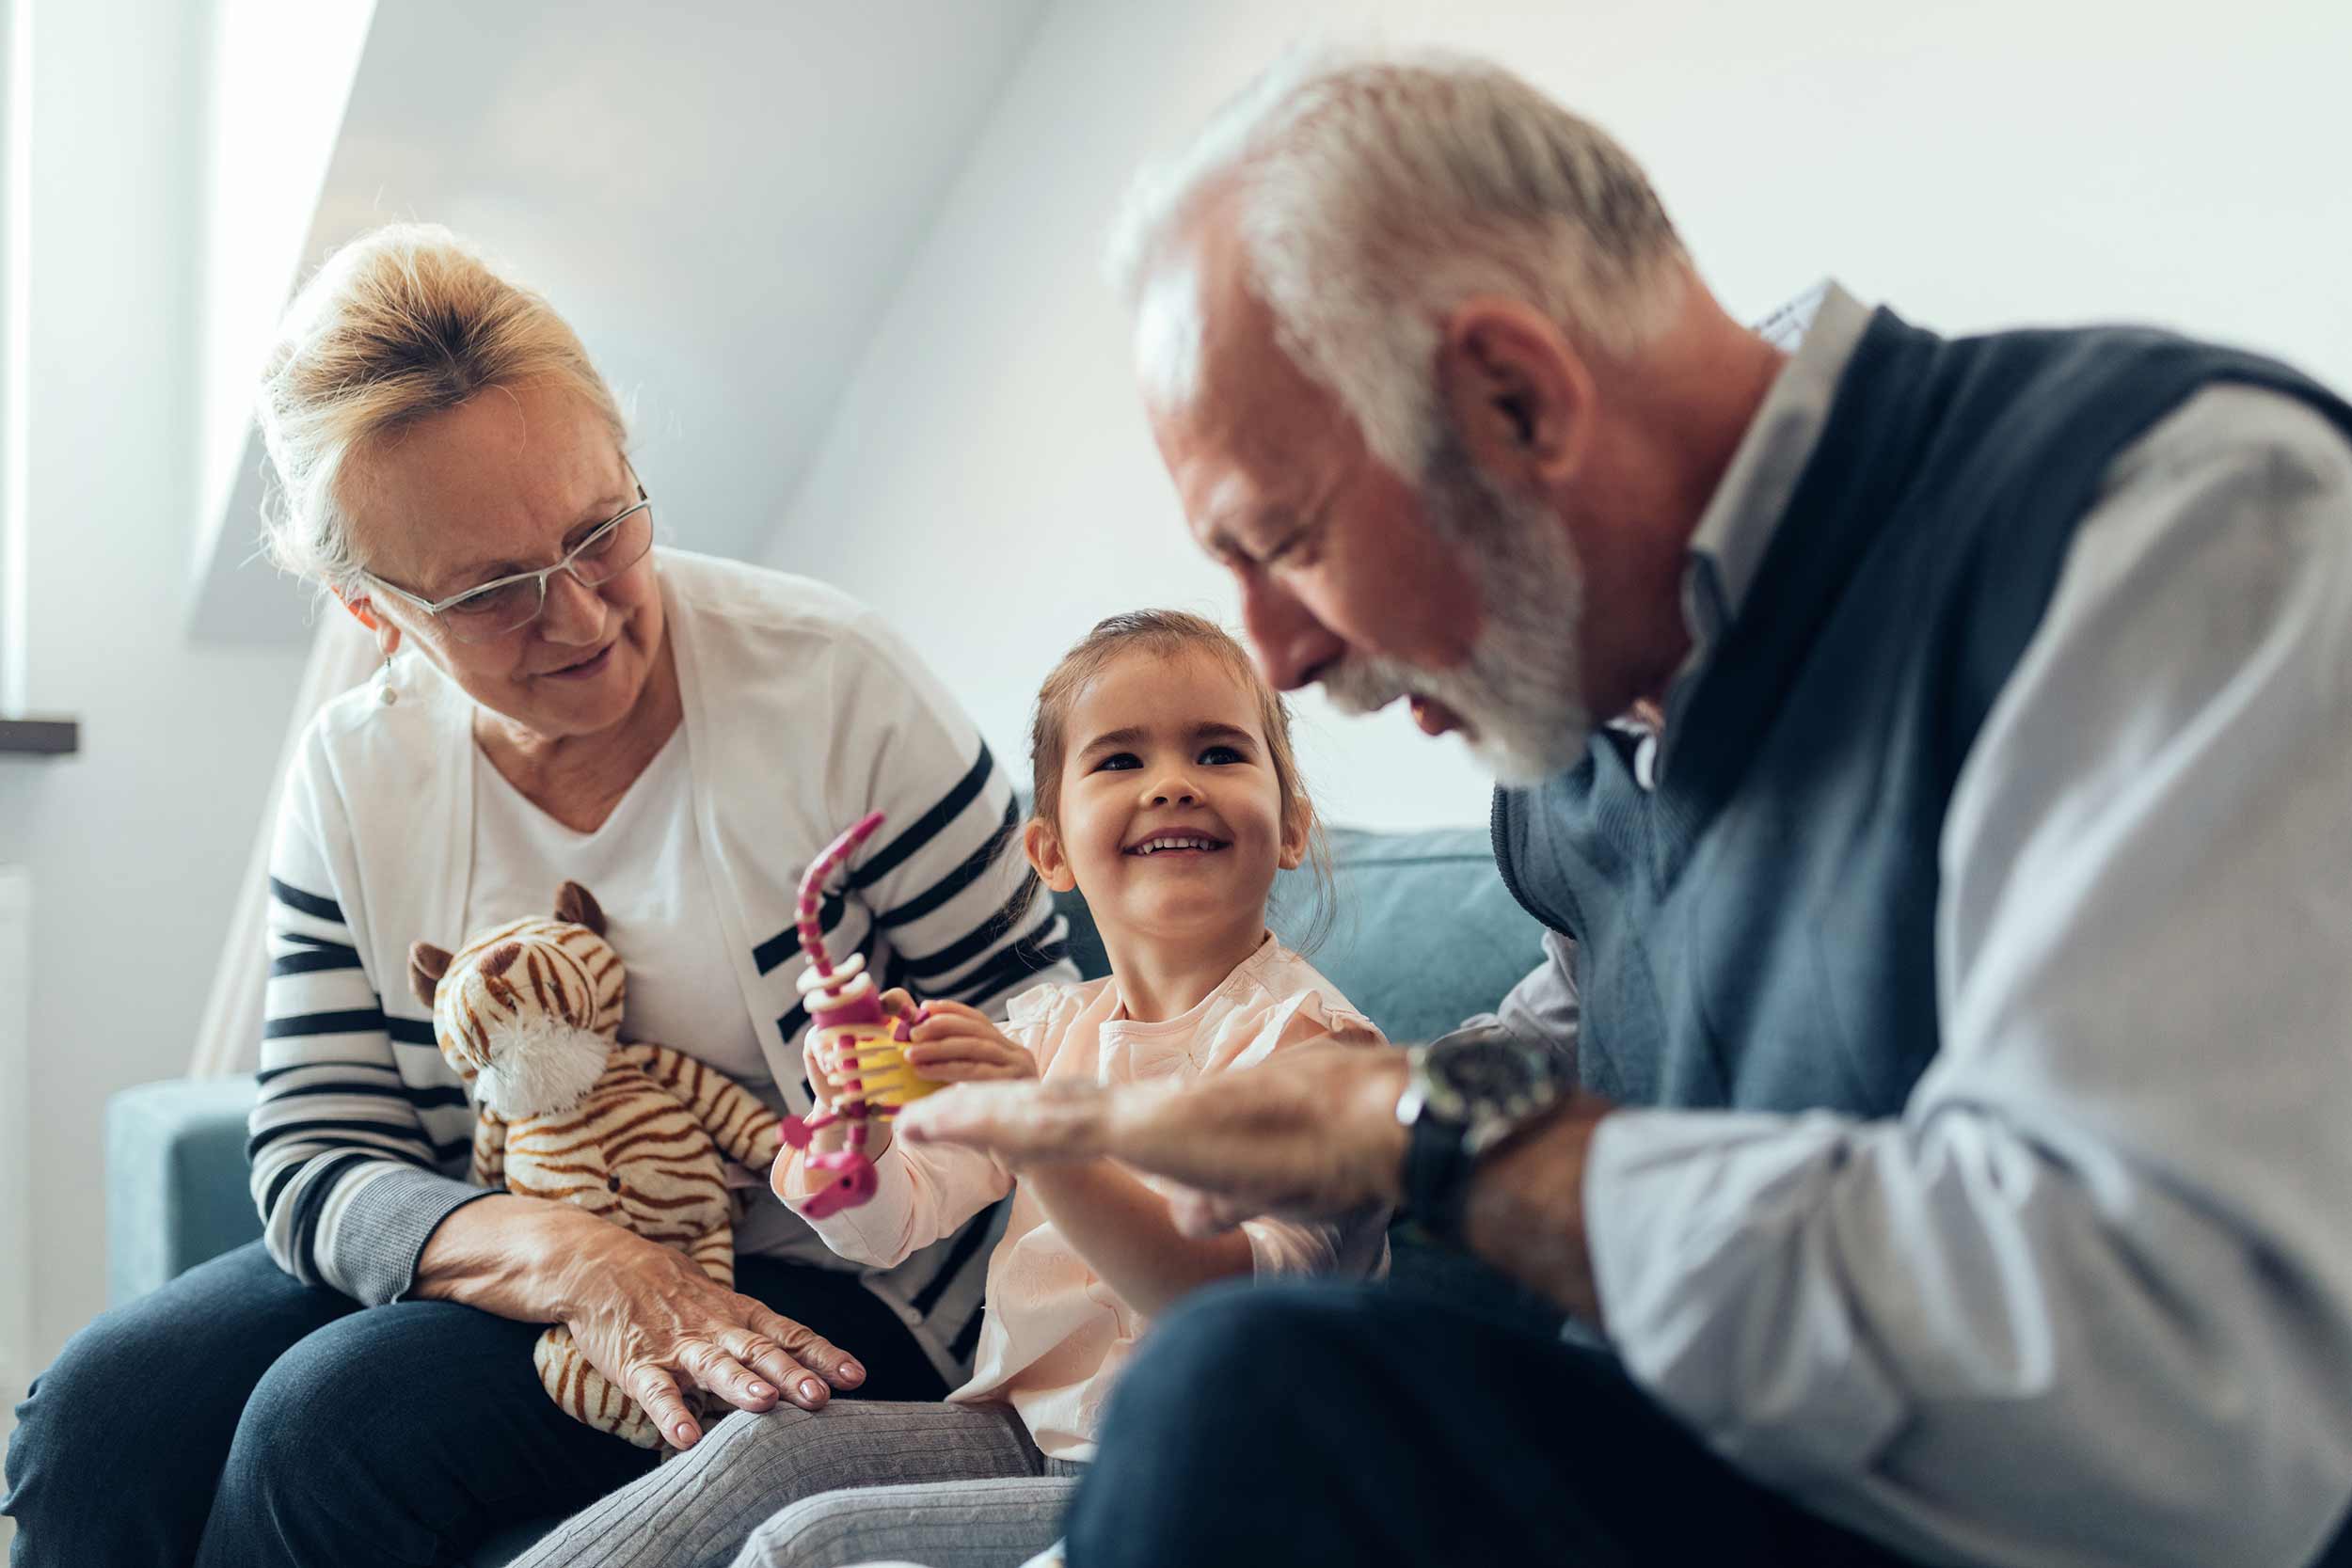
x: 529, y: 1015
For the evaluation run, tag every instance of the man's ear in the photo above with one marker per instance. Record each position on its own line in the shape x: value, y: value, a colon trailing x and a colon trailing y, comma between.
x: 1043, y: 847
x: 1298, y: 824
x: 426, y: 965
x: 1517, y: 393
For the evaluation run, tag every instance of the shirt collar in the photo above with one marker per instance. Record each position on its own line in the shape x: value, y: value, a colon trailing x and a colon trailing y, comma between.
x: 1818, y: 330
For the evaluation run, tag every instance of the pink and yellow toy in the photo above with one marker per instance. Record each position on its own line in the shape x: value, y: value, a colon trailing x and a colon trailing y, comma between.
x: 869, y: 1077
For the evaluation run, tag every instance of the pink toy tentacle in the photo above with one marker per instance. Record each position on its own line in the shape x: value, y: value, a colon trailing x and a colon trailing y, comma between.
x: 836, y: 1002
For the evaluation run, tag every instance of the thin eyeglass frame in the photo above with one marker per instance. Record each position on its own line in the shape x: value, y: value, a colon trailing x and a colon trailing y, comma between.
x: 540, y: 574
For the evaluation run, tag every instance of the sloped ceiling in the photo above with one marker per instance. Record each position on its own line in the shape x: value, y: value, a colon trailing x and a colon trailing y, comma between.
x: 721, y: 198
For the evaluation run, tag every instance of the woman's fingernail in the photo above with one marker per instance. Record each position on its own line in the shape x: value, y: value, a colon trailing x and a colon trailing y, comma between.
x: 761, y: 1391
x: 685, y: 1430
x: 812, y: 1389
x: 851, y: 1372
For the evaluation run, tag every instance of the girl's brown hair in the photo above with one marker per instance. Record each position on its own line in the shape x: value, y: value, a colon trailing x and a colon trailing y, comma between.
x: 1166, y: 633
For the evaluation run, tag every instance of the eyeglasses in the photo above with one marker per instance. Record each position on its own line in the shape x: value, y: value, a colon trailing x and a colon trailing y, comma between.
x: 492, y: 611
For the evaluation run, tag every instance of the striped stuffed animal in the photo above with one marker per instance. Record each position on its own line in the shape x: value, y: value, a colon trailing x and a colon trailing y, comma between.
x: 529, y: 1015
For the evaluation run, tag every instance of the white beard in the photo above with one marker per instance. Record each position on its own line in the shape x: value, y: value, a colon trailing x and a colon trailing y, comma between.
x: 541, y: 1067
x: 1521, y: 694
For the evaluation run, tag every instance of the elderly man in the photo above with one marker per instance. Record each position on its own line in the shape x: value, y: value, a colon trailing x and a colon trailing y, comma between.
x: 1932, y: 757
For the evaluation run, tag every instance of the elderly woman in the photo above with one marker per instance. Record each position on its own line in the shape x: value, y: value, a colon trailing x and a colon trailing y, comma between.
x: 559, y: 699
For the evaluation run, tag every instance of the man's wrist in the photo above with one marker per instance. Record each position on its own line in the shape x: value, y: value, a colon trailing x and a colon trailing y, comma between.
x: 1466, y: 1094
x: 1524, y: 1211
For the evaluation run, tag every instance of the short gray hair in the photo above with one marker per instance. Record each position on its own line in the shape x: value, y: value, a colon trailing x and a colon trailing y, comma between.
x: 402, y: 323
x: 1375, y: 193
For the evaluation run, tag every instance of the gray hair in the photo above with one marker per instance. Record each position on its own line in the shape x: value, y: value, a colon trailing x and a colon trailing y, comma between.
x: 400, y: 324
x: 1375, y: 193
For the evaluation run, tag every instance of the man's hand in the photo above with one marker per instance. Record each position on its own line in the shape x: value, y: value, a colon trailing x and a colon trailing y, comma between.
x: 1310, y: 1134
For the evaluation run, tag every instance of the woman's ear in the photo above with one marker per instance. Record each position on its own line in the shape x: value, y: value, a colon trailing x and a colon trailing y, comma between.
x: 363, y: 610
x: 1043, y: 848
x: 1298, y: 824
x: 426, y: 965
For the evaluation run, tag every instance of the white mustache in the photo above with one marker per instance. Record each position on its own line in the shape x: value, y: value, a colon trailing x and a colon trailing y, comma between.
x: 1360, y: 685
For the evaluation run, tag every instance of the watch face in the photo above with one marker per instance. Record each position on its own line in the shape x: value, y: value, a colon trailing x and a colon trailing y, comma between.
x: 1486, y: 1069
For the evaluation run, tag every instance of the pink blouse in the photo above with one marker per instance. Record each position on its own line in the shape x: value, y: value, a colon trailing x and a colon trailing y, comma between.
x: 1055, y: 1334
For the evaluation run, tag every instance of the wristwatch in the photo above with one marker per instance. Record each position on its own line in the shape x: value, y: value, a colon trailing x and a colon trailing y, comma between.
x: 1466, y: 1092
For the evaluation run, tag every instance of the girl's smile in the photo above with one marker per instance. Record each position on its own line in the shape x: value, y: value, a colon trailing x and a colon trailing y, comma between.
x: 1177, y: 845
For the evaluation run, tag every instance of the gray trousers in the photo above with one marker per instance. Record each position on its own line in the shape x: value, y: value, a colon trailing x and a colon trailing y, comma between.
x: 946, y: 1486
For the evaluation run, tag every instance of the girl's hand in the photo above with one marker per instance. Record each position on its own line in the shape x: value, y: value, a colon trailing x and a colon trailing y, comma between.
x: 818, y: 1070
x: 956, y: 1044
x: 820, y: 1064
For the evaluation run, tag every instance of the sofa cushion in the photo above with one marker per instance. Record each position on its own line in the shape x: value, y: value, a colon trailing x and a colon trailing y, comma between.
x: 175, y: 1189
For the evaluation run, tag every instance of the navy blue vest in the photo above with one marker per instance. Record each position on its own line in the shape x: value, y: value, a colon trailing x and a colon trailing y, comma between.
x: 1759, y: 933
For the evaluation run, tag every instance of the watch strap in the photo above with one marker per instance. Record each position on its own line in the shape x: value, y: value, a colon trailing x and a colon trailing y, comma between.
x: 1438, y: 1166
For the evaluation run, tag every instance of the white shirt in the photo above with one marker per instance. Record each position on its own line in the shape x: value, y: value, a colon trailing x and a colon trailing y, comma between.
x: 2088, y: 1301
x: 644, y: 865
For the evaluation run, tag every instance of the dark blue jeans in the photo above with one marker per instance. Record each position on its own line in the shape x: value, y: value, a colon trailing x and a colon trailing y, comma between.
x: 1358, y: 1425
x: 236, y: 1418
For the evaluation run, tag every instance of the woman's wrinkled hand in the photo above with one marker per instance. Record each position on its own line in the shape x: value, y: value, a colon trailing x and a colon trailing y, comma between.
x: 644, y: 1314
x: 657, y: 1326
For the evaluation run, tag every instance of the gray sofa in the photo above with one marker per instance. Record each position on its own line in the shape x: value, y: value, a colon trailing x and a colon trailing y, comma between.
x: 1425, y: 936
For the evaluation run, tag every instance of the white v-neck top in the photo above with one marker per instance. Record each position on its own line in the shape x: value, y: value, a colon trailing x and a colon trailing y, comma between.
x: 644, y: 864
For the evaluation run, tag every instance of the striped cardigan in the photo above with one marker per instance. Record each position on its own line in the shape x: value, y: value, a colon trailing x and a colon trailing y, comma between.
x: 803, y: 711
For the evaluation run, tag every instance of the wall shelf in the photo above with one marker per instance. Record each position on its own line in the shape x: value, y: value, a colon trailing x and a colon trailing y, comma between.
x: 40, y: 737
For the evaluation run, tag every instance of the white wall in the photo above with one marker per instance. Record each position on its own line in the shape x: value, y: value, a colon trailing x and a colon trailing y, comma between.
x: 136, y: 845
x: 721, y: 197
x: 16, y: 1136
x: 278, y: 75
x: 1977, y: 165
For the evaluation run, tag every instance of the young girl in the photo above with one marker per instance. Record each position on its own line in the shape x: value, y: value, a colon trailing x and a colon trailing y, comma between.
x: 1168, y: 794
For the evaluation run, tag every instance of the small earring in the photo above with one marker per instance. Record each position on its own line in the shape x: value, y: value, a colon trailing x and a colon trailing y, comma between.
x: 384, y: 692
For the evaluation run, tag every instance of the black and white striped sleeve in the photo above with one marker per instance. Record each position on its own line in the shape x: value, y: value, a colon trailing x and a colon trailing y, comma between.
x: 944, y: 880
x: 343, y: 1165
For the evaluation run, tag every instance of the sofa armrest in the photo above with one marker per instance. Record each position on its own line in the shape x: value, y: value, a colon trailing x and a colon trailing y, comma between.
x: 175, y: 1180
